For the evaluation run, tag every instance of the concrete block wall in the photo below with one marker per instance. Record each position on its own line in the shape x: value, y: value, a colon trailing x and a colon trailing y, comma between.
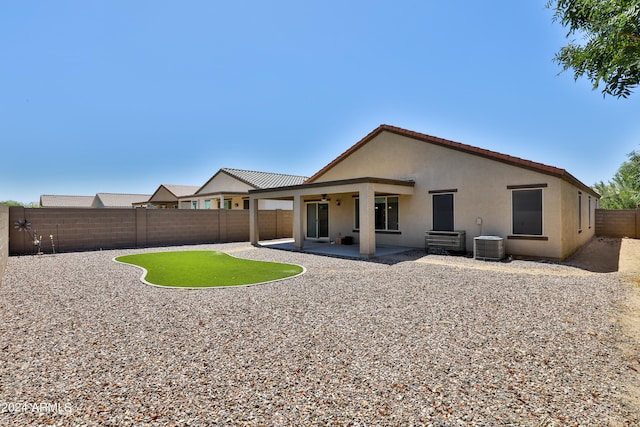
x: 4, y: 239
x: 275, y: 224
x: 234, y: 226
x: 618, y: 223
x: 73, y: 229
x: 94, y: 229
x: 174, y: 227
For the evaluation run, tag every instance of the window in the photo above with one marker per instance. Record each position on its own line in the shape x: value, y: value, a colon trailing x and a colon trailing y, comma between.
x: 579, y: 211
x: 527, y: 212
x: 207, y: 204
x: 443, y: 212
x: 227, y: 204
x: 194, y: 204
x: 245, y: 204
x: 386, y: 213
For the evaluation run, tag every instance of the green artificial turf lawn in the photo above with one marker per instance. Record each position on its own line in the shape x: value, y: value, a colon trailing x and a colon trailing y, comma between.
x: 202, y: 269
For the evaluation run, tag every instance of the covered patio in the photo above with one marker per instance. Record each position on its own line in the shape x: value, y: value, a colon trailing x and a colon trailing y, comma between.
x: 336, y: 214
x: 330, y: 249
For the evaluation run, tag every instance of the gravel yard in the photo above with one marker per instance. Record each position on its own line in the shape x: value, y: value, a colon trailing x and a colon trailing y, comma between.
x: 409, y: 342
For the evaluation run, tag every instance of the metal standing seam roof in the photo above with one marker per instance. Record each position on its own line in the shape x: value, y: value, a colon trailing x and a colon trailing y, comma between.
x: 62, y: 201
x: 261, y: 180
x: 116, y: 200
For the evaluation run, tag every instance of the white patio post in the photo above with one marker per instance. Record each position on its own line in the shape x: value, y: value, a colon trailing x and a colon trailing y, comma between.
x: 254, y: 231
x: 221, y: 201
x: 367, y: 221
x: 298, y: 223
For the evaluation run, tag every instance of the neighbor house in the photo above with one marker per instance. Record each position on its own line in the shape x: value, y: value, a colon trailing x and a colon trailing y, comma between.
x: 61, y: 201
x: 229, y: 189
x: 99, y: 201
x: 167, y: 195
x: 395, y: 185
x: 118, y: 200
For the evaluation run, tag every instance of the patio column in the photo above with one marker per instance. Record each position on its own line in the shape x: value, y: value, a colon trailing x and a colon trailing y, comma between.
x: 367, y: 197
x: 221, y: 201
x: 298, y: 227
x: 254, y: 230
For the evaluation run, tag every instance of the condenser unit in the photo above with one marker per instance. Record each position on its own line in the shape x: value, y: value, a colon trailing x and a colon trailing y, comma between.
x: 488, y: 248
x: 455, y: 241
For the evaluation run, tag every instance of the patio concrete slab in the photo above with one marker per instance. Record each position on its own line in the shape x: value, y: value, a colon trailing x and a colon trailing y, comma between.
x: 330, y: 249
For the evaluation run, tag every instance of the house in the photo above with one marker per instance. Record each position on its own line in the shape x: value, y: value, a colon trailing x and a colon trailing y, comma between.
x: 167, y: 195
x: 117, y: 200
x: 60, y: 201
x: 100, y: 200
x: 229, y: 189
x: 394, y: 185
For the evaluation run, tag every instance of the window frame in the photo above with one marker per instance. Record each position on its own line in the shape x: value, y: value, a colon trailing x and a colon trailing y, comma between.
x: 433, y: 209
x: 527, y: 188
x: 579, y: 211
x: 386, y: 216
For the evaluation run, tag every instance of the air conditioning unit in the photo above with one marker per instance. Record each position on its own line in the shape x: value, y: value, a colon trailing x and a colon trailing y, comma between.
x: 488, y: 248
x: 455, y: 241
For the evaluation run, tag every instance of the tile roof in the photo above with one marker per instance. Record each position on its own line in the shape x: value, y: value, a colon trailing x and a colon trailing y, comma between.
x: 261, y: 180
x: 61, y: 201
x: 117, y: 200
x: 492, y: 155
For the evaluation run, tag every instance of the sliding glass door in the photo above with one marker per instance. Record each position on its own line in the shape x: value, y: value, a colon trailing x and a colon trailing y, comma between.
x: 318, y: 220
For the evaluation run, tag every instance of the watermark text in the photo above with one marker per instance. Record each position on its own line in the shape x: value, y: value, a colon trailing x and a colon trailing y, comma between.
x: 36, y: 407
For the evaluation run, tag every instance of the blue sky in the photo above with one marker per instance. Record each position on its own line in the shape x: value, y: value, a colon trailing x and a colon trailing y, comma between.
x: 122, y: 96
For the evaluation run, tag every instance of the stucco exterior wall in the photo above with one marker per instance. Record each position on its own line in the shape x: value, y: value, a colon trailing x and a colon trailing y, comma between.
x: 482, y: 195
x: 163, y: 196
x: 224, y: 183
x: 578, y: 224
x: 237, y: 203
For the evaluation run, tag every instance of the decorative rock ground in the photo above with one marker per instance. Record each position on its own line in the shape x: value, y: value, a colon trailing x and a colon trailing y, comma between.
x: 356, y: 343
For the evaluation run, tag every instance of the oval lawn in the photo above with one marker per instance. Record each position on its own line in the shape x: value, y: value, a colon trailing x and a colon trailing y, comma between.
x: 206, y: 269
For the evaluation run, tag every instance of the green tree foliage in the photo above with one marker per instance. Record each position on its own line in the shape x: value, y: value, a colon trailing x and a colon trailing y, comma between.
x: 623, y: 191
x: 11, y: 203
x: 608, y: 46
x: 14, y: 203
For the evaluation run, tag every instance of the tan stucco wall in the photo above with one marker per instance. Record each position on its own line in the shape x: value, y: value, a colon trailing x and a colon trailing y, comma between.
x: 237, y: 203
x: 224, y: 183
x: 575, y: 235
x: 163, y: 195
x: 482, y: 192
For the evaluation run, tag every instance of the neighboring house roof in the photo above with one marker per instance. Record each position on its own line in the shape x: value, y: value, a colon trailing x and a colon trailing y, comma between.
x: 181, y: 190
x: 260, y: 180
x: 60, y: 201
x: 174, y: 191
x: 493, y: 155
x: 116, y: 200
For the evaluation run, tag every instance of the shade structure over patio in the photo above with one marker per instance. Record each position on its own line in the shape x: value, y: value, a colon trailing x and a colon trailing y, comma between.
x: 365, y: 189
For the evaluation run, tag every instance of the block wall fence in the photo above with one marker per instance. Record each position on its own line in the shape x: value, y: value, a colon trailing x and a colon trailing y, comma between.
x: 95, y: 229
x: 4, y: 239
x: 618, y: 223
